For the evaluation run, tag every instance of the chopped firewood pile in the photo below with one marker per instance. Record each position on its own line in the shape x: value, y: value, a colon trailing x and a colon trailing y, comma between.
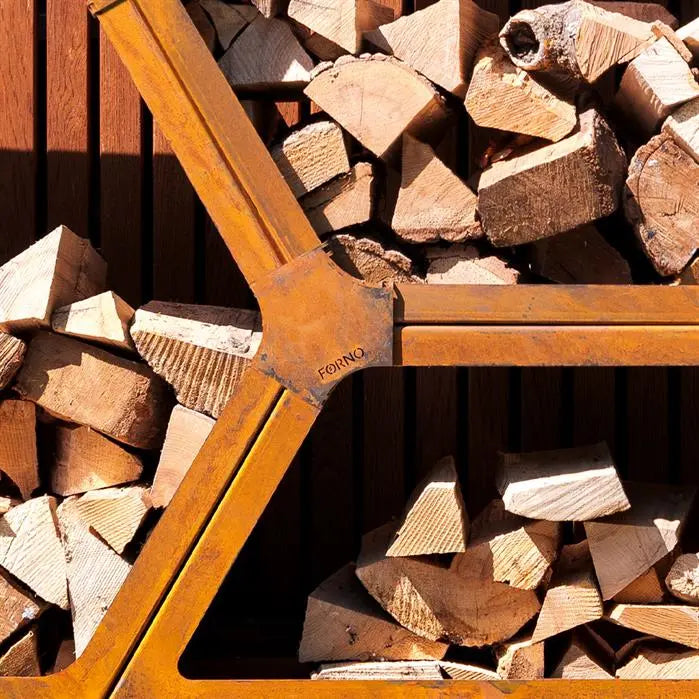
x: 102, y: 411
x: 572, y: 573
x: 442, y: 147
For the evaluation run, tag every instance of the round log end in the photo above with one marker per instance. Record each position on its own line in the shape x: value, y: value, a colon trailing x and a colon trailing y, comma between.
x: 520, y: 38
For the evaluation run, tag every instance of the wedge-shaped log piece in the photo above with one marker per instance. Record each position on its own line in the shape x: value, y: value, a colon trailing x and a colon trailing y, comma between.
x: 83, y: 459
x: 21, y: 659
x: 645, y: 589
x: 17, y: 606
x: 683, y: 578
x: 266, y: 56
x: 31, y: 550
x: 203, y: 24
x: 12, y: 351
x: 662, y: 204
x: 676, y: 623
x: 691, y: 273
x: 689, y: 33
x: 343, y: 623
x: 114, y: 513
x: 341, y: 21
x: 433, y: 202
x: 683, y: 126
x: 58, y: 269
x: 573, y: 598
x: 464, y: 264
x: 311, y: 156
x: 519, y: 199
x: 103, y: 318
x: 575, y: 39
x: 18, y: 455
x: 587, y: 657
x: 440, y: 41
x: 425, y: 670
x: 435, y: 519
x: 80, y: 383
x: 186, y: 433
x: 464, y: 672
x: 95, y: 573
x: 654, y: 84
x: 571, y: 485
x: 626, y: 545
x: 202, y: 351
x: 228, y: 20
x: 521, y: 659
x: 643, y: 11
x: 503, y: 96
x: 376, y: 98
x: 346, y: 201
x: 651, y: 663
x: 270, y: 8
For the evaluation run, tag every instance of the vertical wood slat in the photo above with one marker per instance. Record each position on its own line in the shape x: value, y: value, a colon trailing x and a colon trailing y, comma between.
x: 542, y: 409
x: 18, y: 156
x: 594, y: 406
x: 689, y: 425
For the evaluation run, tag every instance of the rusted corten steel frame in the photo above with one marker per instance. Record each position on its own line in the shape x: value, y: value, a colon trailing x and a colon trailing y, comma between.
x: 319, y: 325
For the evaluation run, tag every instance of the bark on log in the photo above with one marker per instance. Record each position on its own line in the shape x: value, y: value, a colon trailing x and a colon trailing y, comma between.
x: 18, y: 452
x: 12, y: 351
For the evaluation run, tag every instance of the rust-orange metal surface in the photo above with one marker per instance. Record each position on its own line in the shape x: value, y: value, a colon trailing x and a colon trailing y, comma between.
x: 315, y: 321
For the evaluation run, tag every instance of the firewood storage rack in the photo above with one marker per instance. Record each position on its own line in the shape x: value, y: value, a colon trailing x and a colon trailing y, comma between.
x: 319, y: 325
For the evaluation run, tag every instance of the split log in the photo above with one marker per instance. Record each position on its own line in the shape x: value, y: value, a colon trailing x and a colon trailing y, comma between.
x: 104, y: 318
x: 21, y: 659
x: 657, y: 664
x: 562, y: 485
x: 376, y: 98
x: 343, y: 623
x: 186, y: 433
x: 440, y: 41
x: 464, y: 264
x: 270, y: 8
x: 311, y: 156
x: 95, y: 573
x: 676, y: 623
x: 645, y: 589
x: 114, y: 513
x: 683, y: 578
x: 12, y: 351
x: 17, y: 607
x: 18, y: 453
x: 691, y: 273
x: 689, y: 33
x: 342, y: 21
x: 84, y: 459
x: 519, y: 202
x: 683, y: 126
x: 367, y: 259
x: 467, y: 673
x: 346, y: 201
x: 503, y: 96
x: 433, y: 203
x: 585, y: 658
x: 643, y: 11
x: 521, y: 551
x: 58, y: 269
x: 580, y: 256
x: 201, y: 351
x: 266, y: 56
x: 662, y: 205
x: 228, y: 20
x: 573, y: 598
x: 31, y: 550
x: 6, y: 504
x: 425, y: 670
x: 574, y: 39
x: 626, y: 545
x: 80, y: 383
x: 521, y: 659
x: 435, y: 519
x: 654, y: 84
x: 203, y: 24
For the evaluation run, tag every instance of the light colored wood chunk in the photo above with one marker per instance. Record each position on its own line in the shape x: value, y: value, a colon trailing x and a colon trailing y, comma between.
x: 689, y: 33
x: 95, y: 574
x: 662, y: 204
x: 643, y: 11
x: 341, y: 21
x: 626, y: 545
x: 440, y: 41
x: 114, y: 513
x: 21, y: 659
x: 433, y: 203
x: 343, y: 623
x: 676, y: 623
x: 31, y: 550
x: 464, y: 264
x: 563, y: 485
x: 435, y: 519
x: 503, y: 96
x: 12, y: 351
x: 376, y: 98
x: 58, y: 269
x: 17, y: 607
x: 18, y: 454
x: 270, y: 8
x: 584, y: 659
x: 266, y: 56
x: 228, y: 20
x: 683, y: 578
x: 186, y: 433
x: 6, y: 504
x: 683, y: 126
x: 103, y: 318
x: 654, y: 84
x: 645, y: 589
x: 346, y: 201
x: 521, y: 659
x: 467, y: 673
x: 201, y: 351
x: 311, y: 156
x: 519, y: 199
x: 657, y: 664
x: 80, y: 383
x: 425, y: 670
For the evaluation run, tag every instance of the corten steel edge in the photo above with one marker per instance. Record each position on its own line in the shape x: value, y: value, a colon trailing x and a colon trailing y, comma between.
x: 319, y: 326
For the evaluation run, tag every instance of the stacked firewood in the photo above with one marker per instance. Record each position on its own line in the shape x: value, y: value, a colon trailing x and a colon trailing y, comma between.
x: 439, y: 147
x: 102, y: 411
x: 571, y: 573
